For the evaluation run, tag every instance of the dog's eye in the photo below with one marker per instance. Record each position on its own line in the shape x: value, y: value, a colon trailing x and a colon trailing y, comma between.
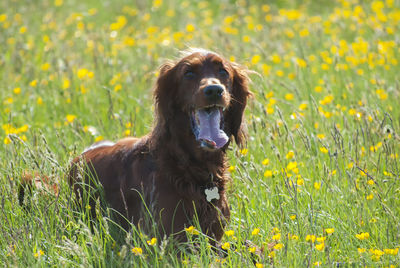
x: 223, y: 72
x: 189, y: 75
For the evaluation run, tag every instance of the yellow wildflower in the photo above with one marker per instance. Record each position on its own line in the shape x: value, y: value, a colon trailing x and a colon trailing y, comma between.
x: 329, y: 230
x: 256, y: 231
x: 192, y: 230
x: 323, y: 150
x: 311, y: 238
x: 70, y: 118
x: 152, y: 241
x: 229, y: 233
x: 226, y: 246
x: 290, y: 155
x: 137, y: 251
x: 320, y: 247
x: 362, y: 236
x: 268, y: 173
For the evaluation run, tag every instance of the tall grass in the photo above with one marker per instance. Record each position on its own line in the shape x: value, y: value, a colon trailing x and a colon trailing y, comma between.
x: 317, y: 184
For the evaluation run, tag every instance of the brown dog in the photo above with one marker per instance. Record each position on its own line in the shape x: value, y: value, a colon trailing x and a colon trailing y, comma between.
x: 179, y: 170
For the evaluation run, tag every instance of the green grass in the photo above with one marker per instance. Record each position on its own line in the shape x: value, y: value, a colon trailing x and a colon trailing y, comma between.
x: 323, y: 144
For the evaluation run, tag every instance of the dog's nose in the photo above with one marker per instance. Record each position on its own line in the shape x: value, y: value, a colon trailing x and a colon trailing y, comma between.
x: 213, y: 92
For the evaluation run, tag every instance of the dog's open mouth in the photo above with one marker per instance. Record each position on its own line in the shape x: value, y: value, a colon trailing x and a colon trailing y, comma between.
x: 207, y: 125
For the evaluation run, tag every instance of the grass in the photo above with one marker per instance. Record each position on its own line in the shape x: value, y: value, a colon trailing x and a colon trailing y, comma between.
x: 317, y: 184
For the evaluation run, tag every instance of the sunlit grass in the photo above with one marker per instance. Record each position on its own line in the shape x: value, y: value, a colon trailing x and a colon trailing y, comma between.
x: 317, y: 184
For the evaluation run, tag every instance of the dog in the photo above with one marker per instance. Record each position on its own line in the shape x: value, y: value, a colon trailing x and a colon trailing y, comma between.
x: 178, y: 172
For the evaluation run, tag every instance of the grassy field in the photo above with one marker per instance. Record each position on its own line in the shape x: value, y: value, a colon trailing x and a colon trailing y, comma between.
x: 319, y: 180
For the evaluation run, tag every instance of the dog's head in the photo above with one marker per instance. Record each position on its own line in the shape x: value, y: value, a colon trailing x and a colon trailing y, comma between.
x: 211, y: 91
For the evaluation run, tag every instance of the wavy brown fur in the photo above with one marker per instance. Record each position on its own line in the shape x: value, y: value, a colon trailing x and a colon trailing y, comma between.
x: 167, y: 170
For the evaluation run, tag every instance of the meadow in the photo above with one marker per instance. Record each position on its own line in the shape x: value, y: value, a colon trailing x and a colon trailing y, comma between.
x: 318, y: 182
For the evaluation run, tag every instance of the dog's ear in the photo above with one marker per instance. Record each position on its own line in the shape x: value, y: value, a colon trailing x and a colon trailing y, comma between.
x: 164, y: 90
x: 234, y: 121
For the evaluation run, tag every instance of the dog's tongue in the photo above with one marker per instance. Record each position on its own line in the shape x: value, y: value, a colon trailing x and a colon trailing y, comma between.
x: 209, y: 128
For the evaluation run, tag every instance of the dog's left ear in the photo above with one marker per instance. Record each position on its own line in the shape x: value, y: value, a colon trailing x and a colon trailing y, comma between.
x: 234, y: 121
x: 164, y: 91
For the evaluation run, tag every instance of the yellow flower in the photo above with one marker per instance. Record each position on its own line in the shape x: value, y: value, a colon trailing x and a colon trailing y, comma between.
x: 66, y: 83
x: 33, y: 83
x: 272, y: 254
x: 157, y: 3
x: 362, y: 236
x: 152, y: 242
x: 252, y: 249
x: 278, y: 246
x: 190, y: 28
x: 294, y: 237
x: 117, y: 87
x: 82, y: 73
x: 17, y: 90
x: 381, y: 94
x: 291, y: 165
x: 256, y: 231
x: 326, y: 100
x: 268, y: 173
x: 246, y: 39
x: 304, y: 32
x: 229, y: 232
x: 39, y: 101
x: 391, y: 251
x: 70, y: 118
x: 255, y: 59
x: 370, y: 197
x: 329, y: 230
x: 7, y: 140
x: 323, y: 150
x: 290, y: 155
x: 99, y: 138
x: 303, y: 106
x: 226, y: 246
x: 244, y: 151
x: 8, y: 100
x: 318, y: 89
x: 39, y: 253
x: 137, y: 251
x: 301, y: 63
x: 361, y: 250
x: 293, y: 217
x: 265, y: 162
x: 320, y: 247
x: 311, y: 238
x: 259, y: 265
x: 350, y: 165
x: 129, y: 41
x: 231, y: 169
x: 45, y: 66
x: 289, y: 96
x: 3, y: 17
x: 277, y: 237
x: 280, y: 73
x: 192, y: 230
x: 352, y: 111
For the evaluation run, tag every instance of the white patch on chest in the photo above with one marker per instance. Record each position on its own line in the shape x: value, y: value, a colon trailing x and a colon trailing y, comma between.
x: 211, y: 194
